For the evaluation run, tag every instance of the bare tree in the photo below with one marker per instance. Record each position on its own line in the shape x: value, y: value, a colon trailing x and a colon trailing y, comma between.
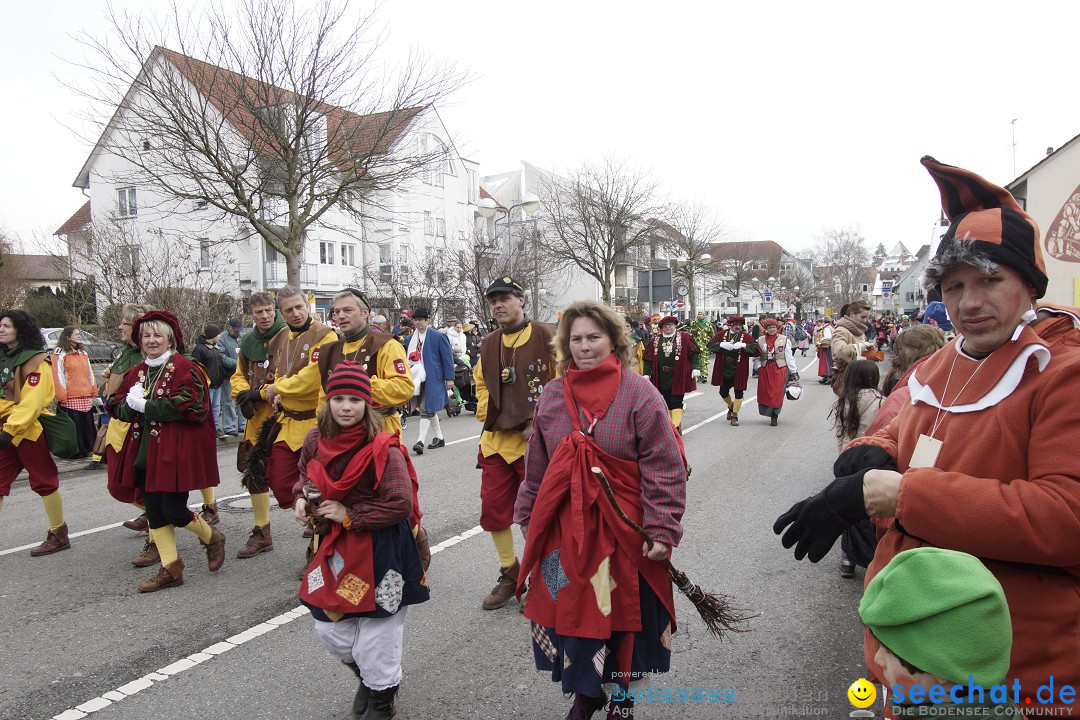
x: 842, y: 258
x: 168, y: 271
x: 595, y: 216
x: 691, y: 229
x: 277, y: 116
x: 733, y: 266
x: 800, y: 288
x: 11, y: 286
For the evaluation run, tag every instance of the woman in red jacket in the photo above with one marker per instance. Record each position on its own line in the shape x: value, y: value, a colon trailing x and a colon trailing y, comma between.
x: 173, y: 446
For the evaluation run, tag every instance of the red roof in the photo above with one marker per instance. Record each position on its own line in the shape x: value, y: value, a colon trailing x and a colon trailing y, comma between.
x: 747, y: 250
x: 76, y: 222
x: 485, y: 194
x: 234, y: 95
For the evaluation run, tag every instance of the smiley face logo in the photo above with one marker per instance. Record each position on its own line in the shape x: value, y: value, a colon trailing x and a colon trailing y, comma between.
x: 862, y: 693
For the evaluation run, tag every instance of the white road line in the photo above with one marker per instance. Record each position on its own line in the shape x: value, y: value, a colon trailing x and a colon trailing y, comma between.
x: 471, y: 437
x: 150, y: 679
x: 107, y: 527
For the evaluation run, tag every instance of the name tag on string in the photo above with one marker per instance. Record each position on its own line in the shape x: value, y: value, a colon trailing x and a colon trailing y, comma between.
x: 926, y: 452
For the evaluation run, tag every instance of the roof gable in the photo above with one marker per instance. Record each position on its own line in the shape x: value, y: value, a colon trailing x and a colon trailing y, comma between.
x: 79, y: 221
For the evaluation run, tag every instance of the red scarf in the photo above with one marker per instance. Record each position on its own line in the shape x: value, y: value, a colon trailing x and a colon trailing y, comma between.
x: 341, y: 576
x: 594, y: 390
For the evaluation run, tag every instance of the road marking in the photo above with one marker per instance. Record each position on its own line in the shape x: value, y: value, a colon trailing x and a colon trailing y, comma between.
x: 471, y: 437
x: 103, y: 528
x: 723, y: 413
x: 213, y: 651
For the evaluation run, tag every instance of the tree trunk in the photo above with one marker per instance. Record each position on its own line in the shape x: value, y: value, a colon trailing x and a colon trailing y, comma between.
x: 693, y: 301
x: 292, y: 269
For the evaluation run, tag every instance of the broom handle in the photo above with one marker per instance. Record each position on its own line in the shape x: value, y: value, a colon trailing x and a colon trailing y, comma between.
x: 615, y: 504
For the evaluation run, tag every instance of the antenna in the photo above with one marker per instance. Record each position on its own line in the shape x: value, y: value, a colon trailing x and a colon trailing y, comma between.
x: 1013, y: 124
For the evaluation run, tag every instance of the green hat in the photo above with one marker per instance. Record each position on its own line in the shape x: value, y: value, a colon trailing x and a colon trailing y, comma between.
x: 943, y: 612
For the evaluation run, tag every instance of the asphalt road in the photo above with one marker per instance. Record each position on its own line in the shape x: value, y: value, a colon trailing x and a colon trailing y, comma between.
x: 77, y: 639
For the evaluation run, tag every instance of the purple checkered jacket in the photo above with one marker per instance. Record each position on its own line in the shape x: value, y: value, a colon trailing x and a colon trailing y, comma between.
x: 637, y: 427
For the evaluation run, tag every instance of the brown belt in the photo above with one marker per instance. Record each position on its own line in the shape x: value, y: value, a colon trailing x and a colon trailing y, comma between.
x: 298, y: 414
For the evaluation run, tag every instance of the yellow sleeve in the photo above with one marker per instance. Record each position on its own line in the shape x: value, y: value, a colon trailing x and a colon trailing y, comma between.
x: 37, y: 393
x: 306, y: 383
x: 239, y: 380
x: 393, y: 385
x: 481, y: 393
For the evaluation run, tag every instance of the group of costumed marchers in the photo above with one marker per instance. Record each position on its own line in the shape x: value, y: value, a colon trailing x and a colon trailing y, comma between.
x: 601, y: 610
x: 733, y: 347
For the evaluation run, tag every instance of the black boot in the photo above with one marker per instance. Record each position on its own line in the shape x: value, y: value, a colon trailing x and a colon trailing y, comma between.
x: 381, y: 704
x: 585, y: 706
x: 363, y: 693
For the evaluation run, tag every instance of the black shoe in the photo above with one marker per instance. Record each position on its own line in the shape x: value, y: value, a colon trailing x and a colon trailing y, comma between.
x: 775, y: 421
x: 436, y: 443
x: 418, y: 448
x: 94, y: 465
x: 847, y: 570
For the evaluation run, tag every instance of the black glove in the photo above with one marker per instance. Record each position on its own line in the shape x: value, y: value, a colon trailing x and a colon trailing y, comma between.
x: 862, y: 457
x: 245, y: 401
x: 816, y: 522
x: 5, y: 440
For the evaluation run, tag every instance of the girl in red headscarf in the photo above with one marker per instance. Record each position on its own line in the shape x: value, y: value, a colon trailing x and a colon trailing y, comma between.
x: 359, y: 489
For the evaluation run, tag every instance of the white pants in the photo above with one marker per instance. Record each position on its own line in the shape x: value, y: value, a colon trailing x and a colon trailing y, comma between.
x: 374, y: 644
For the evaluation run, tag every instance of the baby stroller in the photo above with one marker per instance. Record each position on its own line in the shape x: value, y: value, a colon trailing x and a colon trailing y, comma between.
x: 463, y: 381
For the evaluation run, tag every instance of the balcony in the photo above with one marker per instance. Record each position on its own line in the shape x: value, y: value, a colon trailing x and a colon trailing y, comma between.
x: 277, y: 274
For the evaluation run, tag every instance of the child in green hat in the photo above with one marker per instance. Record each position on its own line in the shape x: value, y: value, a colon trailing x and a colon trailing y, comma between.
x: 943, y: 624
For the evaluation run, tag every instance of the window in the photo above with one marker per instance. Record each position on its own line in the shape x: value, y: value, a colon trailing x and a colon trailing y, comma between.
x: 474, y: 188
x: 403, y: 255
x: 384, y: 253
x: 440, y: 227
x: 199, y: 204
x: 386, y: 273
x: 126, y: 204
x: 204, y: 253
x: 129, y: 259
x: 348, y: 256
x: 429, y: 223
x: 326, y: 253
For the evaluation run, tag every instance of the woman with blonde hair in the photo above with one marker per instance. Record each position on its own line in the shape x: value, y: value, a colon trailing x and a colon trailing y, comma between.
x: 614, y: 628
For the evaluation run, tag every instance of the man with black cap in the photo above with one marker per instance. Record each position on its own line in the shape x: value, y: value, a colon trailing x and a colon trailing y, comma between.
x: 294, y: 399
x: 983, y: 459
x: 516, y: 362
x: 432, y: 362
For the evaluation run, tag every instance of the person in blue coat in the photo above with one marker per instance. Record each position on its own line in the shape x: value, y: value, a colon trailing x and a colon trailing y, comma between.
x: 432, y: 362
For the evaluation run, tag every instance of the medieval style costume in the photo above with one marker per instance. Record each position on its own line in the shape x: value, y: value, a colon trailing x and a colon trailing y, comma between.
x: 279, y: 441
x: 515, y: 366
x: 733, y: 347
x: 26, y: 390
x: 601, y: 612
x: 367, y: 571
x: 252, y: 371
x: 173, y: 448
x: 671, y: 363
x: 823, y: 341
x: 777, y: 359
x: 702, y: 331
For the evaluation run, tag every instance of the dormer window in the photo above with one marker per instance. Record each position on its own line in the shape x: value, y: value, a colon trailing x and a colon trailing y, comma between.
x: 199, y: 204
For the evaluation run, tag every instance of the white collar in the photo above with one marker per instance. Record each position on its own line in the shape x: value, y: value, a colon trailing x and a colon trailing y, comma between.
x: 1005, y: 386
x: 160, y: 360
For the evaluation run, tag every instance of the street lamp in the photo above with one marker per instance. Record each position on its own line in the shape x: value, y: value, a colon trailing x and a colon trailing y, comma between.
x: 487, y: 207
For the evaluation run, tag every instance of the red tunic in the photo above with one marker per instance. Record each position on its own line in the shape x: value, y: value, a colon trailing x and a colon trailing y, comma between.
x: 682, y: 379
x: 182, y: 450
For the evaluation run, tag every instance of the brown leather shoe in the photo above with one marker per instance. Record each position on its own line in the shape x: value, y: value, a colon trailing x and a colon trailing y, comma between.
x: 139, y: 524
x: 259, y: 542
x: 55, y: 541
x: 210, y: 513
x: 215, y: 550
x: 730, y: 413
x: 734, y: 420
x: 504, y: 589
x: 424, y: 547
x: 149, y: 555
x: 167, y: 576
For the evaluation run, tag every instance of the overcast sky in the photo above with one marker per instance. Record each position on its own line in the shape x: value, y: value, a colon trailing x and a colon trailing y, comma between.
x: 788, y: 117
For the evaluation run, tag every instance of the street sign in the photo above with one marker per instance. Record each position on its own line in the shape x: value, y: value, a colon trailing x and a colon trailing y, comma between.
x: 680, y: 304
x: 768, y: 297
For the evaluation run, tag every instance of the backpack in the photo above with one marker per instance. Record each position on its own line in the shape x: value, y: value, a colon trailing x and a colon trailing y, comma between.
x: 800, y: 334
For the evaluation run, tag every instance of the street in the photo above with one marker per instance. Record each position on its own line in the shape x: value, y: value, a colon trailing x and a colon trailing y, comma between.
x: 78, y: 640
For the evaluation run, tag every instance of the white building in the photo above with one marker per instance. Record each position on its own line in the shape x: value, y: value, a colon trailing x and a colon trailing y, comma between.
x: 212, y: 250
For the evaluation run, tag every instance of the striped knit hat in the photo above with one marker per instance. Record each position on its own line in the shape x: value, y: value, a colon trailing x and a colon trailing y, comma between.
x: 990, y: 218
x: 349, y: 378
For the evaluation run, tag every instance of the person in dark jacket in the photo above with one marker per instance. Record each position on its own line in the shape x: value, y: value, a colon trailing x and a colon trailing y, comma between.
x: 207, y: 354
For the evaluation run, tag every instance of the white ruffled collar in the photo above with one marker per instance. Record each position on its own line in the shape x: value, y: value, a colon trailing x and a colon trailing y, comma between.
x: 160, y: 360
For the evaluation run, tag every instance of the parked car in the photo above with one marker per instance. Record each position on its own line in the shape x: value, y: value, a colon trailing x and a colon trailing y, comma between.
x: 98, y: 350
